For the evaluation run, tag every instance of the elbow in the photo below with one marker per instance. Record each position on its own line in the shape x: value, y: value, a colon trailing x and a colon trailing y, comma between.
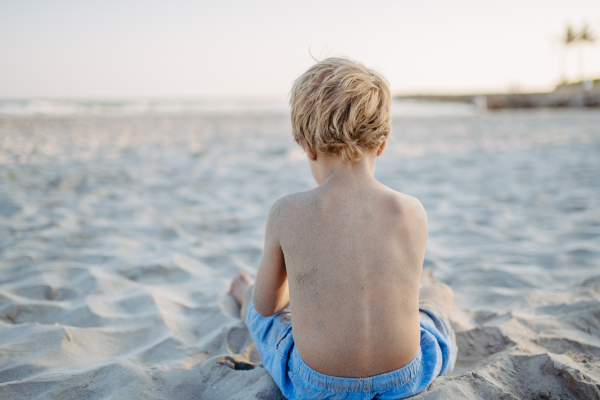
x: 269, y: 304
x: 262, y: 310
x: 265, y: 314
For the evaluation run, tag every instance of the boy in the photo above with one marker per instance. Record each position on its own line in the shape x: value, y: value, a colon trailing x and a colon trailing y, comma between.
x: 347, y: 258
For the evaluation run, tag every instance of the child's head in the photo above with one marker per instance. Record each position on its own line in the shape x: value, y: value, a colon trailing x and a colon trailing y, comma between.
x: 340, y: 107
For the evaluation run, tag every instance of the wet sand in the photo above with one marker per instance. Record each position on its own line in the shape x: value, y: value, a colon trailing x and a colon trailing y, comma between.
x: 119, y: 237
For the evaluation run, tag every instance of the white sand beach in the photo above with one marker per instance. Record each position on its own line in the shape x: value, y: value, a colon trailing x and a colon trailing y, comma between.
x: 119, y: 237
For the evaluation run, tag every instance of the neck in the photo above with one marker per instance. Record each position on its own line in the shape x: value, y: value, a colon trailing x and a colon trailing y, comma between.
x: 334, y: 171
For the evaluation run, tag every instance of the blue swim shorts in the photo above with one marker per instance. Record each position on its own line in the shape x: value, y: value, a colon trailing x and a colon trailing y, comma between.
x: 275, y: 343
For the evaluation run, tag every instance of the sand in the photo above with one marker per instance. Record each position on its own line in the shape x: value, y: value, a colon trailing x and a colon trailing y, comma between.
x: 119, y: 237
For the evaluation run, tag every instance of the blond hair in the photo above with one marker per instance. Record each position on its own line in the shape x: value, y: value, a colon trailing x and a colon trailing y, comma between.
x: 340, y: 107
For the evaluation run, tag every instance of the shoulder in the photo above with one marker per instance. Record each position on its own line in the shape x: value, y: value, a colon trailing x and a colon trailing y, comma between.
x: 285, y: 212
x: 291, y: 202
x: 402, y: 203
x: 288, y: 206
x: 408, y: 209
x: 410, y: 205
x: 285, y: 204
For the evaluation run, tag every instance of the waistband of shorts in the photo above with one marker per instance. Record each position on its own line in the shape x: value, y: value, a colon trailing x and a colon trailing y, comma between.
x: 385, y: 381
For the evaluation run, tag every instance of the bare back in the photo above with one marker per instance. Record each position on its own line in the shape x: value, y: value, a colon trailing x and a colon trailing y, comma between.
x: 353, y: 256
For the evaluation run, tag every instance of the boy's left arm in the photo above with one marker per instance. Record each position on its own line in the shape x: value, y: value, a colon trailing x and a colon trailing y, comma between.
x: 271, y: 290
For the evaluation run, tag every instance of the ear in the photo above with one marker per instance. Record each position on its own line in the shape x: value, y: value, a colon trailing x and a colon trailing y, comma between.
x: 311, y: 156
x: 381, y: 147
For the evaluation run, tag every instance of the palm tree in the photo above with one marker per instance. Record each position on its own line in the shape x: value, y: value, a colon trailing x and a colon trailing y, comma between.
x: 568, y: 39
x: 585, y: 37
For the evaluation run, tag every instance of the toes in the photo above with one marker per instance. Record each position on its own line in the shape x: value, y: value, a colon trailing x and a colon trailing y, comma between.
x: 245, y: 278
x: 232, y: 287
x: 240, y: 283
x: 235, y: 283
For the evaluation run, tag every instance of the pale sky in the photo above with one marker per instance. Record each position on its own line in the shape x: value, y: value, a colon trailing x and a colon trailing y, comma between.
x: 226, y: 48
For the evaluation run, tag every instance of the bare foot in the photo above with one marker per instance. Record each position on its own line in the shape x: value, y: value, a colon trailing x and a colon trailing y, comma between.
x: 427, y: 277
x: 239, y: 285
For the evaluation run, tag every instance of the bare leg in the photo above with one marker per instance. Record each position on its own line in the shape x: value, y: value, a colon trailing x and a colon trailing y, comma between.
x: 440, y: 293
x: 241, y: 291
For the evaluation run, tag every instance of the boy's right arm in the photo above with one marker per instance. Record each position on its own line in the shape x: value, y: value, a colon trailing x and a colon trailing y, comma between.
x: 271, y: 291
